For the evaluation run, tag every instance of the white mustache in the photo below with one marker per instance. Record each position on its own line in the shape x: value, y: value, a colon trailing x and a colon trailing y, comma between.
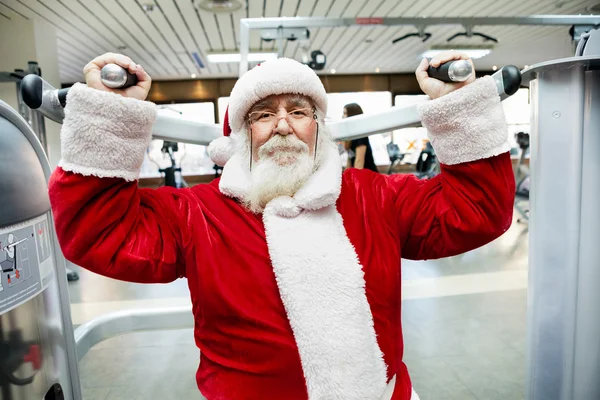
x: 282, y: 143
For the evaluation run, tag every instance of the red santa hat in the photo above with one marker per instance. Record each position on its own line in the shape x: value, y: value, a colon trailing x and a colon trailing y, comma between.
x: 274, y: 77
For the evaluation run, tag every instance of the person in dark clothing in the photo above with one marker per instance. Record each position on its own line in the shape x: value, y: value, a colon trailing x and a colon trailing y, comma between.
x: 360, y: 154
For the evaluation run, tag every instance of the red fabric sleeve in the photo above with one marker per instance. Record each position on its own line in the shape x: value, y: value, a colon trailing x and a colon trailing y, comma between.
x: 466, y: 206
x: 111, y: 227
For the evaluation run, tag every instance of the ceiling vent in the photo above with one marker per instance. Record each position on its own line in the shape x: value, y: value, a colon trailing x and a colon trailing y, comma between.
x: 218, y: 6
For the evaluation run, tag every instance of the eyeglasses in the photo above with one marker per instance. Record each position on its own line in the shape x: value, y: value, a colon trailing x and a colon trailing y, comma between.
x: 265, y: 121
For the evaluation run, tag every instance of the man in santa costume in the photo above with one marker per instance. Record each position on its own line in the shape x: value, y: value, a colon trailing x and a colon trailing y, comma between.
x: 293, y: 266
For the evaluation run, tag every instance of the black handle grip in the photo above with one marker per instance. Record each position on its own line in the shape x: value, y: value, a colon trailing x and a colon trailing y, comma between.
x: 132, y: 80
x: 511, y: 76
x: 62, y: 96
x: 440, y: 73
x: 31, y: 90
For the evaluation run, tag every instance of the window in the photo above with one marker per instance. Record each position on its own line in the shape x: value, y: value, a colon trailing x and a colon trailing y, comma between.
x: 410, y: 141
x: 370, y: 102
x: 192, y: 158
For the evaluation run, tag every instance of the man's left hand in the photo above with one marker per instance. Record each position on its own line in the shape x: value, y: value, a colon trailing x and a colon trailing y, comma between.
x: 435, y: 88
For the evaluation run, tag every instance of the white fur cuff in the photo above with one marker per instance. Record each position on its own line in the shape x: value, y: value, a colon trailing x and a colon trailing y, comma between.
x: 105, y: 134
x: 467, y: 124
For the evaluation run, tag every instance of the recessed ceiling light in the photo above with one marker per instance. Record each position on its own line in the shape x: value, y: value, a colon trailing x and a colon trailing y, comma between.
x: 218, y: 6
x: 235, y: 57
x: 193, y: 75
x: 495, y: 67
x: 333, y: 71
x: 471, y: 52
x: 377, y: 70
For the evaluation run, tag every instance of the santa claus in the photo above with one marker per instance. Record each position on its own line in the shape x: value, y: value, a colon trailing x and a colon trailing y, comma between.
x: 293, y: 266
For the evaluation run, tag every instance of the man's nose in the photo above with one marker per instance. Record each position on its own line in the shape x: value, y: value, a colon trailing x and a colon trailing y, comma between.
x: 282, y: 127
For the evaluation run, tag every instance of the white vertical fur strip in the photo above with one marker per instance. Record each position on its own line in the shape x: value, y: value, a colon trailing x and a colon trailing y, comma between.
x: 323, y: 290
x: 467, y: 124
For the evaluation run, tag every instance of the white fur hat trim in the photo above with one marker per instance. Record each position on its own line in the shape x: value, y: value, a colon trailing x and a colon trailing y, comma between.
x: 220, y: 150
x: 274, y: 77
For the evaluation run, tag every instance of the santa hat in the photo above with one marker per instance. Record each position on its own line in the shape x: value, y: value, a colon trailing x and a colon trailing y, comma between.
x: 274, y: 77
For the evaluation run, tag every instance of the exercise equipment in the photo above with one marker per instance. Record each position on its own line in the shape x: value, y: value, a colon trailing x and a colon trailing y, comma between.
x: 113, y: 76
x: 395, y: 155
x: 522, y: 178
x: 175, y: 129
x: 35, y: 120
x: 171, y: 175
x: 563, y: 330
x: 37, y: 345
x: 453, y: 71
x: 426, y: 166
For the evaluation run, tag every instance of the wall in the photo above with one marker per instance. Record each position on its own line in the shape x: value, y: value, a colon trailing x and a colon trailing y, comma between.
x: 23, y: 40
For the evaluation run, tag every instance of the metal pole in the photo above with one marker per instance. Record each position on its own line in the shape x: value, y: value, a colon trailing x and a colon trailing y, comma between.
x: 280, y: 42
x: 319, y: 22
x: 244, y: 45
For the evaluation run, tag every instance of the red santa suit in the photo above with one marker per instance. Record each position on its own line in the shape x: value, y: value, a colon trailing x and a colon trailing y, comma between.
x: 302, y: 301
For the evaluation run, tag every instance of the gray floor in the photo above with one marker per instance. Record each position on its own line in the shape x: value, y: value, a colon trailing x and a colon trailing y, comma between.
x: 459, y: 347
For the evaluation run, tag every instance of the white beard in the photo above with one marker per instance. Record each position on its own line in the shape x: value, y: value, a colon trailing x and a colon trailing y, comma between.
x: 284, y: 166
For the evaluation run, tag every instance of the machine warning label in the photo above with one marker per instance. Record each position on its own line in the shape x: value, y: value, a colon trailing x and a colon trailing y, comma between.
x: 25, y: 259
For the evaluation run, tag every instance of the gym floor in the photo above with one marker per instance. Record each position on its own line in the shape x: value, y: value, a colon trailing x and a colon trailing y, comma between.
x: 463, y: 317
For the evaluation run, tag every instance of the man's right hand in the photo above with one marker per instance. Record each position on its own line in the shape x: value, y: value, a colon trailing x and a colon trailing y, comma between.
x: 92, y: 75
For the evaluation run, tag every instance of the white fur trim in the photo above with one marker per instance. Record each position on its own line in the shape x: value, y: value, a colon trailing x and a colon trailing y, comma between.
x: 285, y: 206
x: 467, y: 124
x: 324, y: 185
x: 322, y: 287
x: 105, y: 134
x: 221, y: 150
x: 414, y: 395
x: 280, y: 76
x: 236, y: 178
x: 389, y: 391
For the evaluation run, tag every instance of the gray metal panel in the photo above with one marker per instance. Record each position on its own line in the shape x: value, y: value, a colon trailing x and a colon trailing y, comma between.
x: 587, y: 335
x: 563, y: 348
x: 23, y: 190
x: 556, y: 161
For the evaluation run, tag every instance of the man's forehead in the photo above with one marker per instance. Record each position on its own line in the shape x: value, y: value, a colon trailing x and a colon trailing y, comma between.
x: 284, y: 100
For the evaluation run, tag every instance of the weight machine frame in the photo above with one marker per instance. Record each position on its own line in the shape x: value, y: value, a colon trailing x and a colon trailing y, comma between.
x: 279, y: 24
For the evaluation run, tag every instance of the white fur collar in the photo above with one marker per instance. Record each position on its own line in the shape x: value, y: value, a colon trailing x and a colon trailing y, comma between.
x: 321, y: 284
x: 322, y: 189
x: 322, y: 287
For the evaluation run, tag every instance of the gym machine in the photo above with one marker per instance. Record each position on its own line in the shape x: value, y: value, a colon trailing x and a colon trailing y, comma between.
x: 564, y: 327
x: 35, y: 120
x: 37, y: 346
x: 522, y: 178
x: 563, y: 330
